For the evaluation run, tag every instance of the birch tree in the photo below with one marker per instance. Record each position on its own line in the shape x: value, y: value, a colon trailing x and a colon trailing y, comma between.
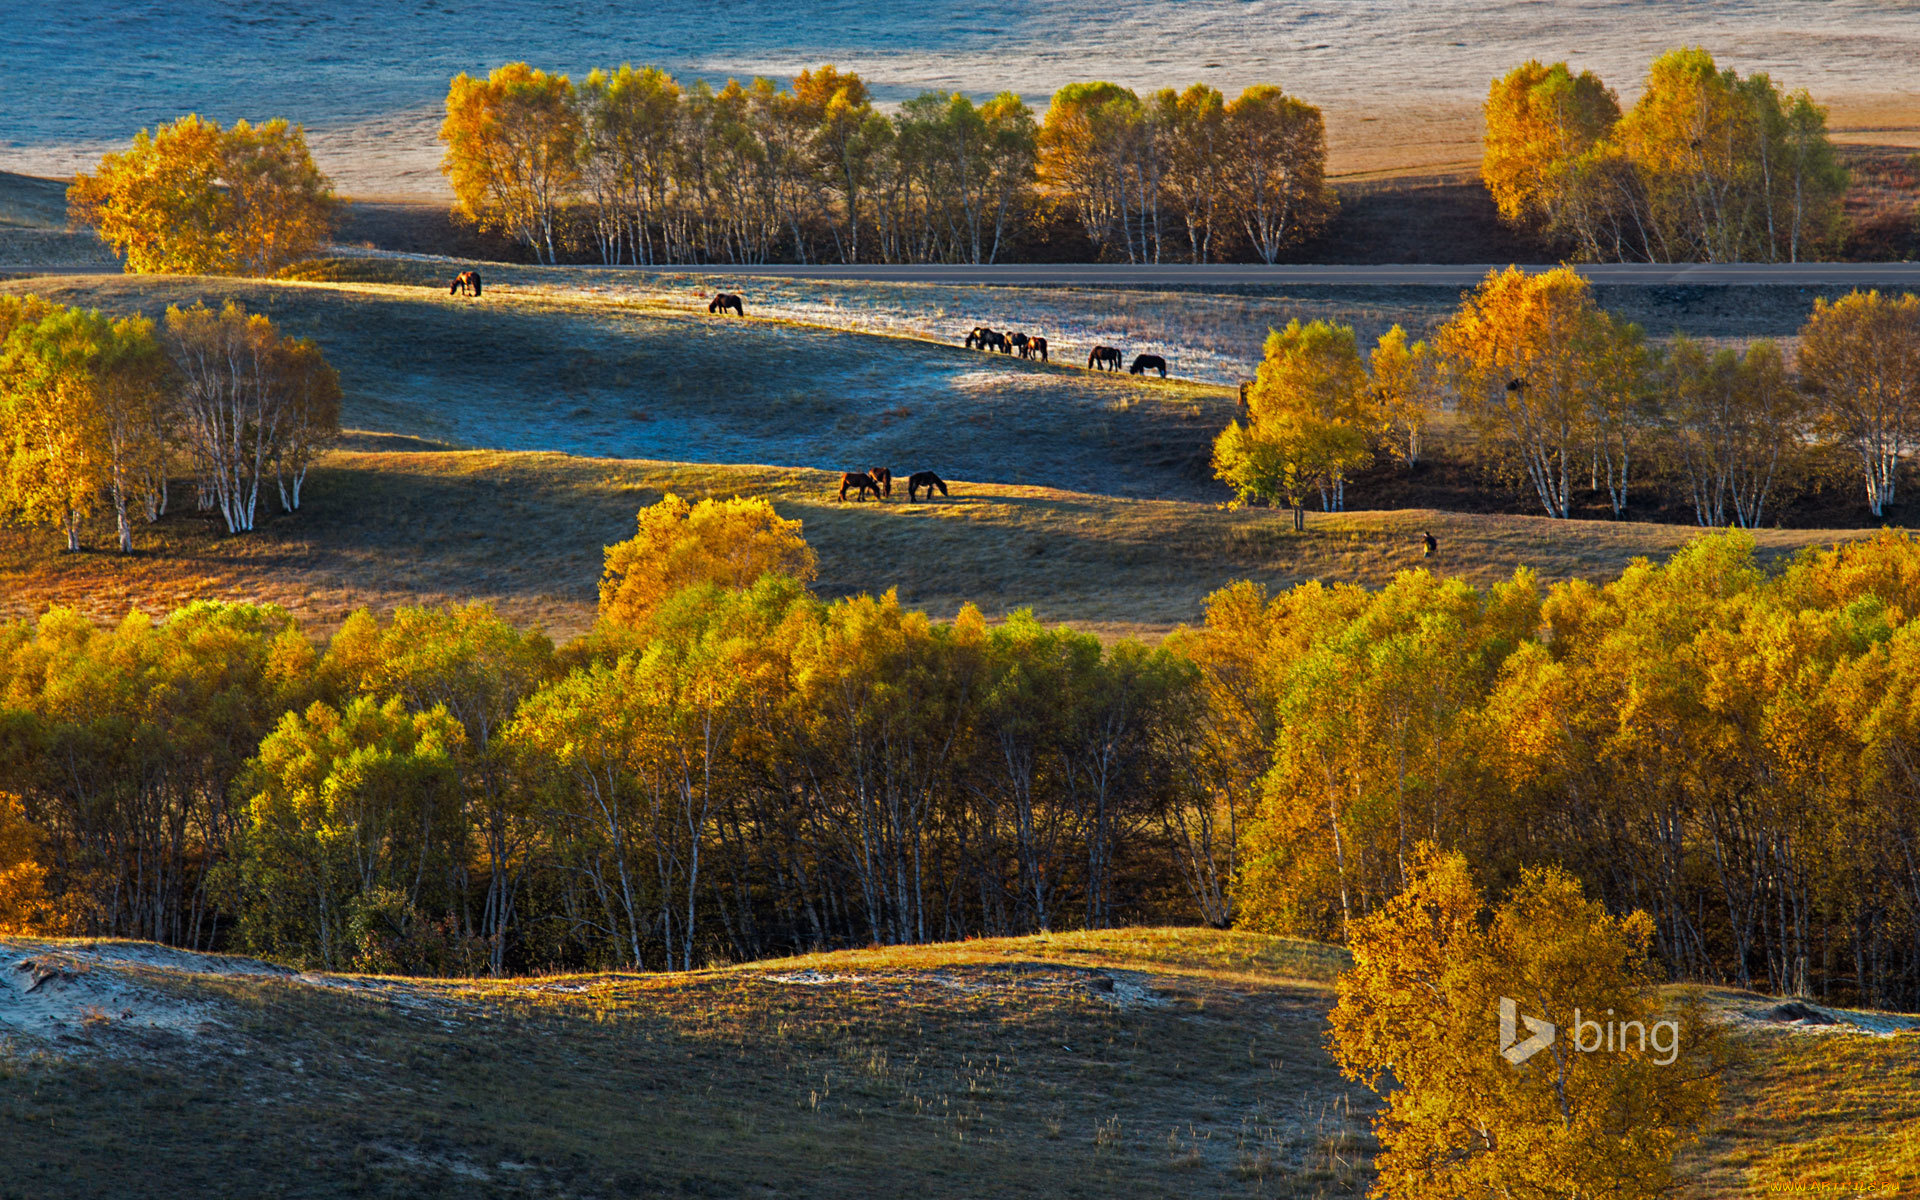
x: 513, y: 152
x: 1736, y: 422
x: 1860, y: 364
x: 251, y: 401
x: 1520, y: 358
x: 1277, y: 161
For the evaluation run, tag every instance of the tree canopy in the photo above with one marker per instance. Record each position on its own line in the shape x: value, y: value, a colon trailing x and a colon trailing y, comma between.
x: 191, y: 198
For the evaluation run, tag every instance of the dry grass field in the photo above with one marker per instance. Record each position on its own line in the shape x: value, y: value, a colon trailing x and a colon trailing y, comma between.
x: 1144, y: 1062
x: 384, y: 527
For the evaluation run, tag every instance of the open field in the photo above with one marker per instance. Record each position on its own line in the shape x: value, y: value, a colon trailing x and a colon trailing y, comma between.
x: 1146, y: 1062
x: 384, y: 527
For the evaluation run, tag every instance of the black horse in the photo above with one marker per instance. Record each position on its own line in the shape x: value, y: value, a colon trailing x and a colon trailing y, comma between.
x: 883, y: 479
x: 1038, y: 346
x: 1021, y: 343
x: 860, y: 482
x: 466, y: 283
x: 927, y: 480
x: 723, y: 301
x: 1148, y: 362
x: 1104, y: 357
x: 1430, y: 544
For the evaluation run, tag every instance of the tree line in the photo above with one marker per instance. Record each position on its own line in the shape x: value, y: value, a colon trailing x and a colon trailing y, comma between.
x: 1727, y: 750
x: 729, y: 767
x: 1706, y: 166
x: 101, y: 413
x: 632, y: 167
x: 1557, y: 393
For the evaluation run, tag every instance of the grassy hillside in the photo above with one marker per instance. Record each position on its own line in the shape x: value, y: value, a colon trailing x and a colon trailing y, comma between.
x: 33, y: 225
x: 384, y: 526
x: 592, y: 375
x: 1151, y: 1062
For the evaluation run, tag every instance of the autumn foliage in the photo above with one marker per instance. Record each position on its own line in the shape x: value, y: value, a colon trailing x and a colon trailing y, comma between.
x: 98, y: 413
x: 1704, y: 166
x: 632, y: 166
x: 1563, y: 400
x: 1416, y: 1019
x: 191, y: 198
x: 726, y: 542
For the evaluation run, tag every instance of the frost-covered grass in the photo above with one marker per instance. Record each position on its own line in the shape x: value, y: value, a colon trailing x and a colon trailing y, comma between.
x: 521, y: 370
x: 1170, y: 1062
x: 1150, y: 1063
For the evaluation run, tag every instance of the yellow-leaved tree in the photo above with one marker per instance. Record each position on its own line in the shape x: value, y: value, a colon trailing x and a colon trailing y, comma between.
x: 1860, y: 366
x: 1306, y: 421
x: 191, y: 198
x: 727, y: 542
x: 22, y: 878
x: 1406, y: 392
x: 1522, y: 1048
x: 513, y: 151
x: 1546, y: 380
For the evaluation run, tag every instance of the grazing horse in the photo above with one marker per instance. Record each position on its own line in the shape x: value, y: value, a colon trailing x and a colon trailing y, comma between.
x: 1148, y: 362
x: 1022, y: 343
x: 1105, y: 357
x: 467, y: 283
x: 1431, y: 544
x: 927, y: 480
x: 1039, y: 347
x: 722, y: 301
x: 883, y: 480
x: 862, y: 483
x: 977, y: 339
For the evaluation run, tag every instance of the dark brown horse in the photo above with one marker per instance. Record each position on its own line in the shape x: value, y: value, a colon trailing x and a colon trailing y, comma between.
x: 983, y: 338
x: 883, y: 479
x: 1148, y: 362
x: 466, y: 283
x: 1105, y: 358
x: 722, y: 301
x: 927, y: 480
x: 1021, y: 343
x: 862, y: 483
x: 1039, y: 347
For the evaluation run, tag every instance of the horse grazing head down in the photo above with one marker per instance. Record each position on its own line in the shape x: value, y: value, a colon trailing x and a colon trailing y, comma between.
x: 1148, y: 362
x: 927, y: 480
x: 861, y: 482
x: 882, y: 478
x: 722, y: 301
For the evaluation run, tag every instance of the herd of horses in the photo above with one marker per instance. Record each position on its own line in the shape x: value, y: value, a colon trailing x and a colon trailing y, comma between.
x: 879, y: 481
x: 1107, y: 358
x: 1010, y: 342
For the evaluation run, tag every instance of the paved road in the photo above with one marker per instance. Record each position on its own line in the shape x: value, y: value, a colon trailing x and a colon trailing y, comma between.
x: 1237, y: 275
x: 1234, y: 275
